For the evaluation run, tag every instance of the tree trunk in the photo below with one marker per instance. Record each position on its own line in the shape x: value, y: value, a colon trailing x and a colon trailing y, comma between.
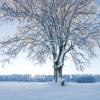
x: 57, y: 73
x: 58, y: 64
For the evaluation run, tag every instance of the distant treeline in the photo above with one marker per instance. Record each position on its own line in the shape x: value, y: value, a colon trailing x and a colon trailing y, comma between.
x: 48, y: 78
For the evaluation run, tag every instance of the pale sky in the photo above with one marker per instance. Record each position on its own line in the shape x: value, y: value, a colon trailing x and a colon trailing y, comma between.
x: 21, y: 65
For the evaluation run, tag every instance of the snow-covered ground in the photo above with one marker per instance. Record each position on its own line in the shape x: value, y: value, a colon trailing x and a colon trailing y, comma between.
x: 49, y: 91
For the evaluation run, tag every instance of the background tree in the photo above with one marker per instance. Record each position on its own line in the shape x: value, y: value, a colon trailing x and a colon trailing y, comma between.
x: 52, y: 28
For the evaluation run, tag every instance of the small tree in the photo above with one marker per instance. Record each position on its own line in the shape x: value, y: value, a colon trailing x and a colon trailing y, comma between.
x: 52, y: 28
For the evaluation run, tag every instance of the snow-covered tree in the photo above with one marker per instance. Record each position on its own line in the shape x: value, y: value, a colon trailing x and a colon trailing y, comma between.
x: 52, y: 28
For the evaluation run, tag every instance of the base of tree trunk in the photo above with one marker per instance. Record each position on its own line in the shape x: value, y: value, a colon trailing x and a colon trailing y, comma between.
x: 60, y: 82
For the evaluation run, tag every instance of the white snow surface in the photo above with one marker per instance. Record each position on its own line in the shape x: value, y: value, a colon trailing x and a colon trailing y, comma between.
x: 49, y: 91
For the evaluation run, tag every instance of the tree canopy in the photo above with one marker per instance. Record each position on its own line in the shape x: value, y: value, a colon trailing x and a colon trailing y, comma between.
x: 52, y: 28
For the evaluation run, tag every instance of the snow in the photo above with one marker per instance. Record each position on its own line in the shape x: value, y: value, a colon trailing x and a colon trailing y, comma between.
x: 49, y: 91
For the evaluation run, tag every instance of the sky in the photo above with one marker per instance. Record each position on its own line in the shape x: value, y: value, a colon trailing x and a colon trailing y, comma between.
x: 22, y: 65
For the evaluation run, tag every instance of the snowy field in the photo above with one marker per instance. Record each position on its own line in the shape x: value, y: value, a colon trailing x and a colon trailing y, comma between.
x: 49, y: 91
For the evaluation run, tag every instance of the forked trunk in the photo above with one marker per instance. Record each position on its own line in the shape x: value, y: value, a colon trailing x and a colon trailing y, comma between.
x: 58, y: 64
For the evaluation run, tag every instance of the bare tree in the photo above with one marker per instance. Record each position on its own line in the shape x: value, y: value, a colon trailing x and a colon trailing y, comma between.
x: 52, y: 28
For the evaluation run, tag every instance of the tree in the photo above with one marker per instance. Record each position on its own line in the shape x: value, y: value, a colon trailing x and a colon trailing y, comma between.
x: 52, y: 28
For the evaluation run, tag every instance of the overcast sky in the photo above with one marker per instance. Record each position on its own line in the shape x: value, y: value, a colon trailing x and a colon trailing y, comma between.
x: 21, y: 65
